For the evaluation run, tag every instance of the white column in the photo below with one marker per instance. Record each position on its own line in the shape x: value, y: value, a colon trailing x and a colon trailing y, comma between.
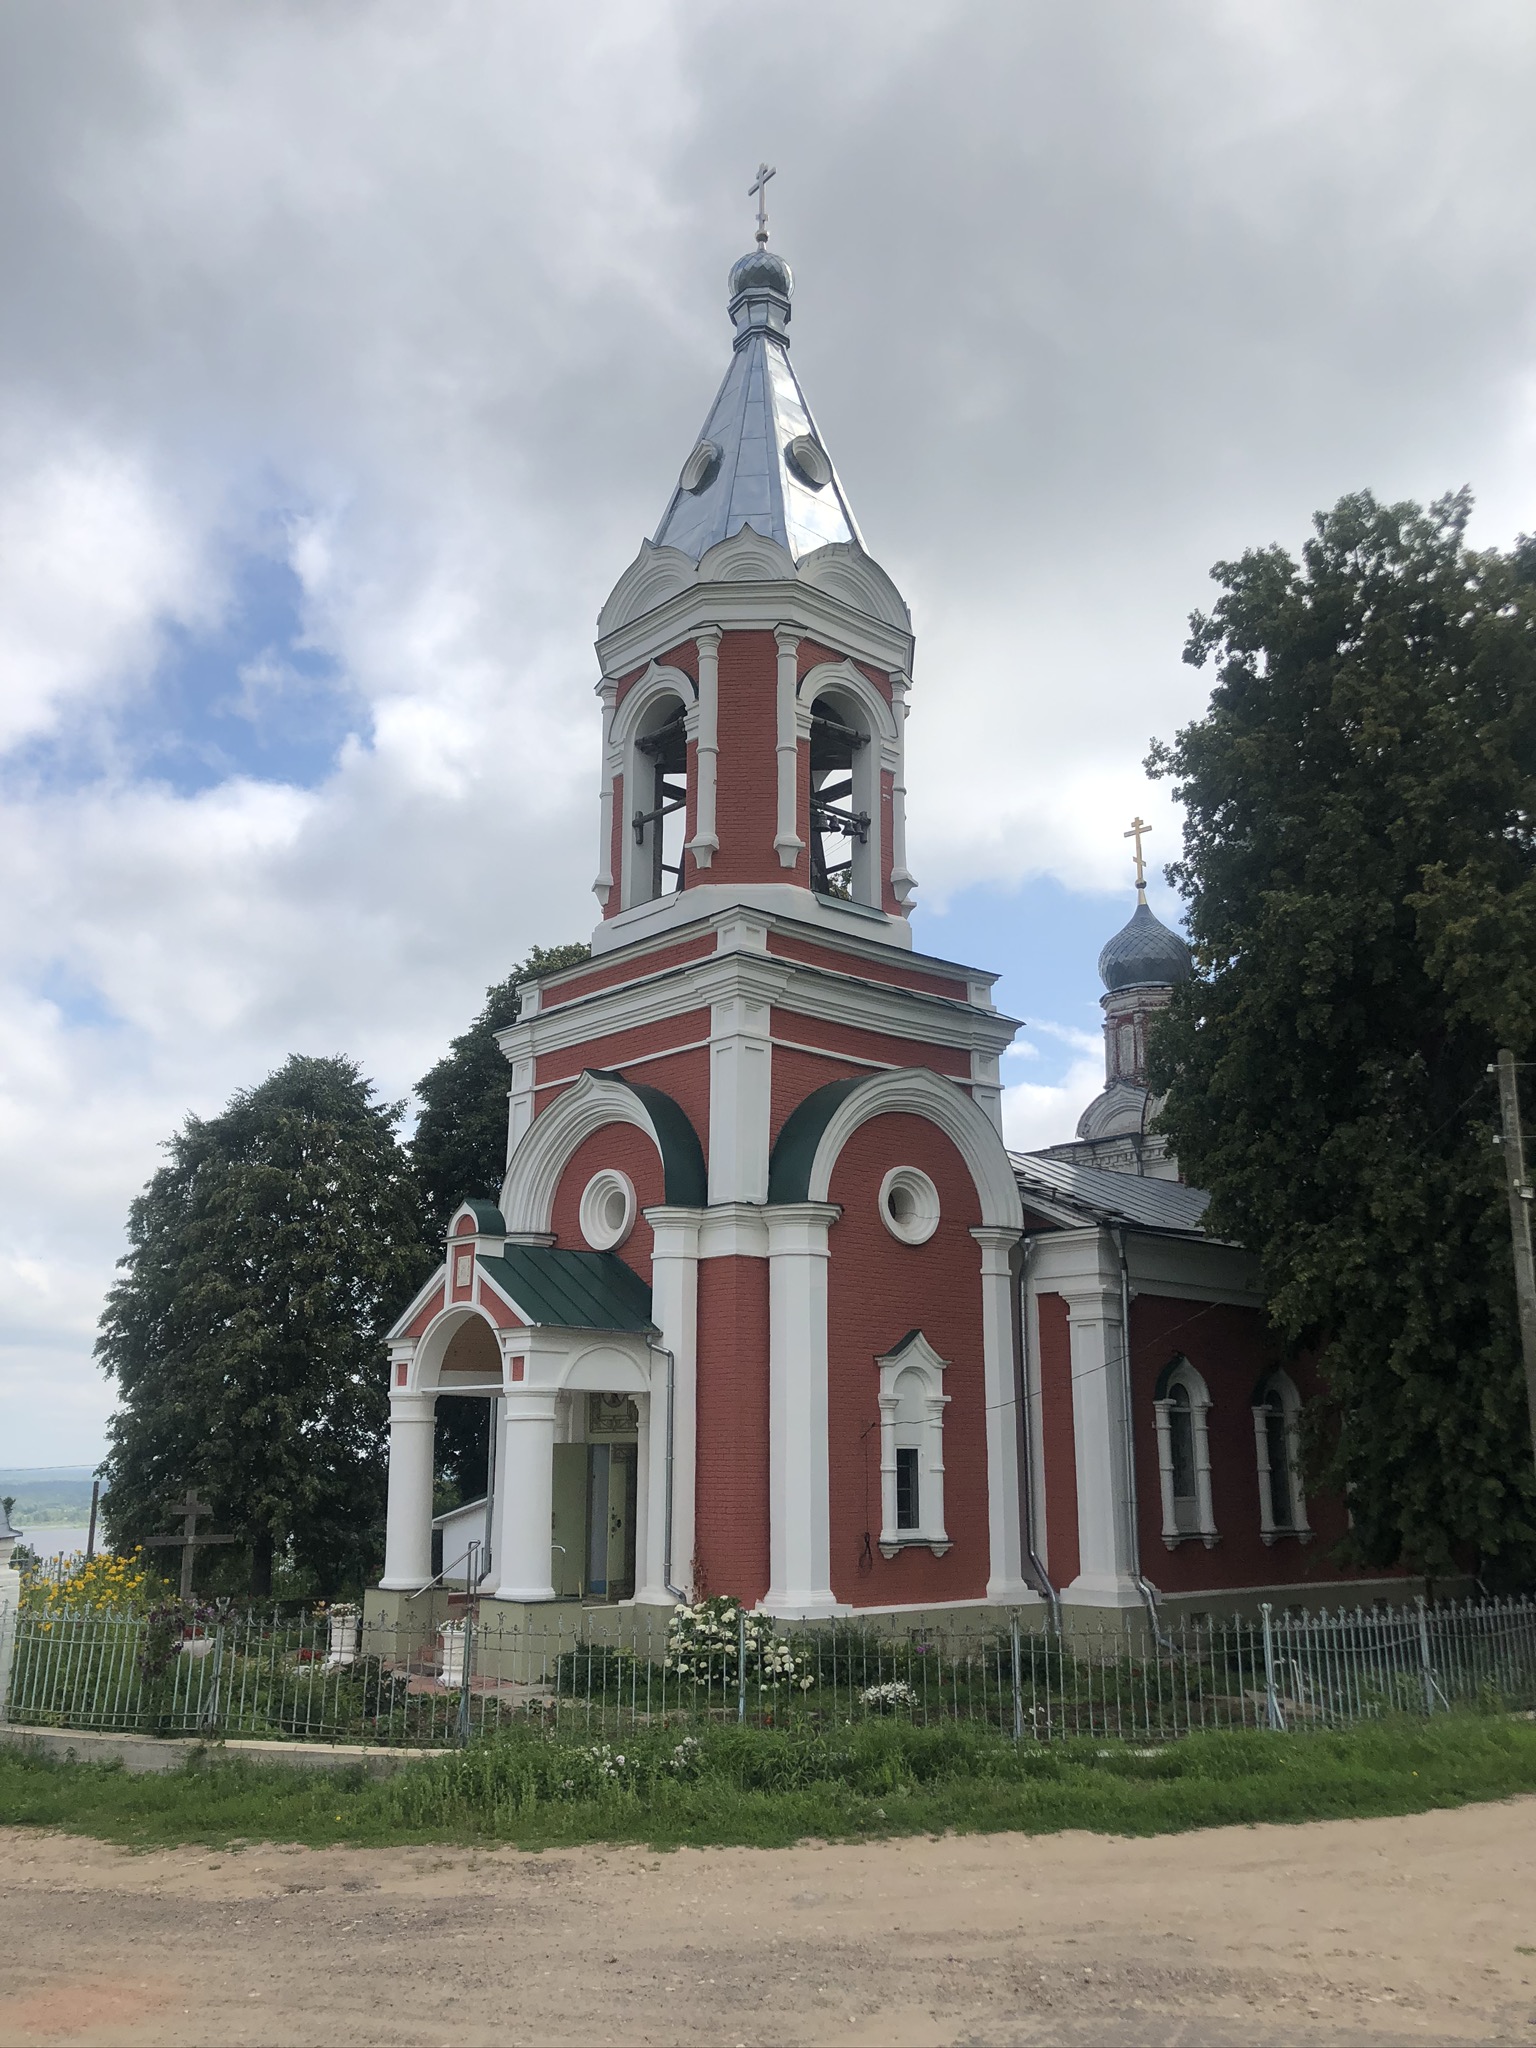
x: 705, y: 842
x: 607, y: 690
x: 1006, y: 1583
x: 1105, y: 1554
x: 788, y: 843
x: 520, y: 1103
x: 408, y: 1523
x: 903, y: 881
x: 527, y: 1481
x: 740, y: 1099
x: 675, y: 1308
x: 799, y: 1502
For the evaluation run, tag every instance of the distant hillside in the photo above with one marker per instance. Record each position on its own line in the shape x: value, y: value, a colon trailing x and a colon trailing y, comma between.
x: 48, y: 1496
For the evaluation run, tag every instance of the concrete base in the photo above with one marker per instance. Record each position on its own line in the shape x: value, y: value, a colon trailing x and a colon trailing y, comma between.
x: 153, y: 1753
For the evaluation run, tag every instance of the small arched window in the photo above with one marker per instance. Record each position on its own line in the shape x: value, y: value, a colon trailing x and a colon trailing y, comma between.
x: 1180, y: 1405
x: 1276, y: 1440
x: 843, y: 800
x: 912, y: 1404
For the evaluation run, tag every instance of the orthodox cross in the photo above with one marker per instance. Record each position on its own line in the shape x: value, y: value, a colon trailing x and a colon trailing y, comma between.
x: 1139, y: 830
x: 192, y: 1511
x: 758, y: 189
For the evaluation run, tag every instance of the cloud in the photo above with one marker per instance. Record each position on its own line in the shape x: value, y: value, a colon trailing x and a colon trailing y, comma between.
x: 420, y: 310
x: 1037, y: 1113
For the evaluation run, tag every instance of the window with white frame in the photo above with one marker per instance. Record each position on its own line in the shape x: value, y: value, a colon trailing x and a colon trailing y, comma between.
x: 1277, y: 1449
x: 656, y: 789
x: 912, y: 1404
x: 1181, y: 1402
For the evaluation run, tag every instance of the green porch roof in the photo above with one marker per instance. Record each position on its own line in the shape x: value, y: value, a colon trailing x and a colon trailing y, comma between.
x: 573, y: 1290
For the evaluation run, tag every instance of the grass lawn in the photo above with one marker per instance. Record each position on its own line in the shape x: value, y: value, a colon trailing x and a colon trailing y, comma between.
x: 758, y: 1787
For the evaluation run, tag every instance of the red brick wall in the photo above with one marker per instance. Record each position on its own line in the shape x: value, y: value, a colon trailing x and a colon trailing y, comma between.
x: 628, y: 967
x: 631, y: 1151
x: 878, y: 1289
x: 746, y: 798
x: 1058, y: 1441
x: 731, y: 1486
x: 1229, y: 1348
x: 881, y: 1046
x: 865, y: 969
x: 684, y: 1077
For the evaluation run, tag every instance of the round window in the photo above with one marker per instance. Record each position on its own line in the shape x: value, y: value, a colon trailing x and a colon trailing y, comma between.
x: 607, y: 1209
x: 808, y: 459
x: 909, y: 1204
x: 701, y: 468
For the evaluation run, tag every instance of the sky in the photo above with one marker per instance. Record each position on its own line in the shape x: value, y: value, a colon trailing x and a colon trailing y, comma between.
x: 348, y: 350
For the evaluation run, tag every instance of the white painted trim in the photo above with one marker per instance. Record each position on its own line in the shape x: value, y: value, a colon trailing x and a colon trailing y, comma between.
x: 787, y: 841
x: 791, y: 901
x: 675, y: 1310
x: 918, y: 1091
x: 917, y: 1361
x: 533, y: 1177
x: 740, y: 1099
x: 656, y: 686
x: 408, y: 1517
x: 602, y: 887
x: 1195, y: 1387
x: 799, y: 1510
x: 1290, y: 1401
x: 705, y: 843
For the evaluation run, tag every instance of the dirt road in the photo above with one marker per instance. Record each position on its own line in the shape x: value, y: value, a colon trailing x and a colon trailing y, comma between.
x: 1374, y: 1931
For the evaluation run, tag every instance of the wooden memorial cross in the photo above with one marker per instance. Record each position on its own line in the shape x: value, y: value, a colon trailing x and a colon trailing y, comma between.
x: 192, y: 1511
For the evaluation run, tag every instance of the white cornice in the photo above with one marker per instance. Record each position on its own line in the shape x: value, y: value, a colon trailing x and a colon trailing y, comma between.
x: 755, y: 607
x: 682, y: 908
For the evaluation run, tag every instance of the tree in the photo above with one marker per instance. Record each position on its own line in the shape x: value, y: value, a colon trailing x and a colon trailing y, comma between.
x: 1360, y: 870
x: 460, y: 1147
x: 265, y: 1261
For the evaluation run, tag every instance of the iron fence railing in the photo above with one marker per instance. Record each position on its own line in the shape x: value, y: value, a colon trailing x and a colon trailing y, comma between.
x: 447, y: 1674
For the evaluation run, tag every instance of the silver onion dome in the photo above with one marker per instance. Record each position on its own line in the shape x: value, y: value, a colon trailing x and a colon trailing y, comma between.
x: 761, y: 270
x: 1145, y: 953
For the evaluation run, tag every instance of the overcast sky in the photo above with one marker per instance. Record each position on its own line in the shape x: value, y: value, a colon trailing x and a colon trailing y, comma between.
x: 347, y: 351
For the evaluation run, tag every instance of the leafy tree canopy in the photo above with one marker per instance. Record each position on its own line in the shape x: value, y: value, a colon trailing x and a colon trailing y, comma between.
x: 265, y: 1261
x: 460, y: 1147
x: 1360, y: 870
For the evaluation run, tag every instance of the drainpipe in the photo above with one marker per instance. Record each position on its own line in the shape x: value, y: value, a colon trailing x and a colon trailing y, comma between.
x: 1027, y: 1463
x: 666, y: 1553
x: 1143, y: 1585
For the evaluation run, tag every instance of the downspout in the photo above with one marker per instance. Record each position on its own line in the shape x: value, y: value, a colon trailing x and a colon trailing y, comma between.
x: 1026, y: 1455
x: 1143, y: 1585
x: 666, y: 1553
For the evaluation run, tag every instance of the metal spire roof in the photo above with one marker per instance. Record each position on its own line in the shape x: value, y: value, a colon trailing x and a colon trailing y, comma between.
x: 760, y: 461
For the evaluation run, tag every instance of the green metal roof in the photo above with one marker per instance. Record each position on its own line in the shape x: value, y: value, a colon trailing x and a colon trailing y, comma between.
x: 572, y: 1290
x: 794, y: 1150
x: 685, y: 1178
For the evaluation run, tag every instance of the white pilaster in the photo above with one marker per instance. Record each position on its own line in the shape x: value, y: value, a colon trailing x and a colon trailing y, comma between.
x: 787, y: 842
x: 740, y: 1098
x: 607, y: 691
x: 903, y: 881
x: 675, y: 1308
x: 527, y: 1480
x: 520, y: 1103
x: 408, y: 1516
x: 1106, y: 1555
x: 799, y: 1508
x: 705, y: 842
x: 1006, y: 1583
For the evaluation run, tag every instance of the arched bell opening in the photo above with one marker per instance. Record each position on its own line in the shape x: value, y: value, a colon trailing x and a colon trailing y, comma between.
x: 659, y: 818
x: 842, y: 800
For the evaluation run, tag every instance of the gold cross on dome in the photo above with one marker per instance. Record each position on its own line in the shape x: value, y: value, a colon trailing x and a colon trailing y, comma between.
x: 758, y: 189
x: 1139, y: 830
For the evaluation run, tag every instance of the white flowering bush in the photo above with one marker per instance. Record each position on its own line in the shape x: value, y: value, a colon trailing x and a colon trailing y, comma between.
x: 895, y: 1696
x: 705, y: 1640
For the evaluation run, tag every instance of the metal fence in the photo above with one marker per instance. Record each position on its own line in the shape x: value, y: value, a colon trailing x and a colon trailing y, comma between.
x: 441, y: 1679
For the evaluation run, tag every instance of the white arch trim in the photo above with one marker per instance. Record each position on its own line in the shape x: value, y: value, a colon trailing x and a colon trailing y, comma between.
x: 847, y: 675
x: 918, y: 1091
x: 646, y: 690
x: 426, y: 1365
x: 528, y: 1192
x: 608, y: 1369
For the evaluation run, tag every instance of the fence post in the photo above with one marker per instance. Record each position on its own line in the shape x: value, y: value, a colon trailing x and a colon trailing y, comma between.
x: 1018, y: 1677
x: 741, y: 1662
x: 1424, y: 1664
x: 1271, y: 1697
x: 466, y: 1667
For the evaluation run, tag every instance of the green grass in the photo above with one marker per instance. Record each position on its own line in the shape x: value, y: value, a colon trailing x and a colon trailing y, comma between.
x: 756, y: 1787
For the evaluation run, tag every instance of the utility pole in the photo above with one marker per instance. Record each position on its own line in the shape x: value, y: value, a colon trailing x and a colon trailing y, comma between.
x: 1520, y: 1197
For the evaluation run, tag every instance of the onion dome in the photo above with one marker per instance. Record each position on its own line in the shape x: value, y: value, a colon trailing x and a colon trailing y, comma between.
x: 761, y: 270
x: 1145, y: 953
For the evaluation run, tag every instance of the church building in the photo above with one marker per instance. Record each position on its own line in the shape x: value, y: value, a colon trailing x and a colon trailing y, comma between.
x: 767, y: 1308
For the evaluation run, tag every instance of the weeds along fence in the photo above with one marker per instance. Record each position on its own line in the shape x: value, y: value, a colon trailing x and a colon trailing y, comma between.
x: 343, y: 1677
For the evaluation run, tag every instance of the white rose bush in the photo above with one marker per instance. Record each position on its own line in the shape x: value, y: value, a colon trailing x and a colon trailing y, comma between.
x: 706, y: 1640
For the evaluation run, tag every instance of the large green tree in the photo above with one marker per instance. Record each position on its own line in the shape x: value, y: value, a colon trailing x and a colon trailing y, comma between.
x: 1360, y: 872
x: 460, y: 1147
x: 265, y: 1261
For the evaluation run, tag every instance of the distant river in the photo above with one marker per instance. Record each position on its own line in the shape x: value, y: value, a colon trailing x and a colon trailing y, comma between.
x: 56, y: 1542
